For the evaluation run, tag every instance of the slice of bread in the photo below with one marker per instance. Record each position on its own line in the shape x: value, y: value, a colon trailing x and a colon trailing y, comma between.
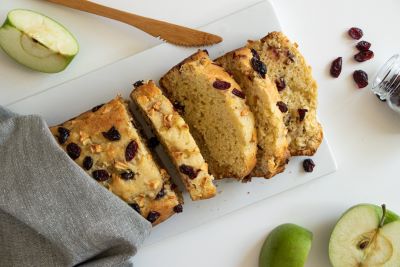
x: 262, y: 97
x: 220, y: 121
x: 105, y: 143
x: 298, y: 90
x: 174, y: 135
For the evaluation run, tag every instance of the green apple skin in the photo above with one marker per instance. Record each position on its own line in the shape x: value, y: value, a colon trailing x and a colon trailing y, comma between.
x: 288, y: 245
x: 41, y: 55
x: 360, y: 224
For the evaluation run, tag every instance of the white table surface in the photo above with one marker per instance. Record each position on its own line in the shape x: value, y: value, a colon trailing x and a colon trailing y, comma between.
x: 363, y: 132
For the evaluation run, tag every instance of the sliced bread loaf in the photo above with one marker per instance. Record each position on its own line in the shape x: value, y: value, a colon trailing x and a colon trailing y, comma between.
x: 174, y: 135
x: 298, y: 90
x: 219, y: 119
x: 105, y: 143
x: 262, y: 98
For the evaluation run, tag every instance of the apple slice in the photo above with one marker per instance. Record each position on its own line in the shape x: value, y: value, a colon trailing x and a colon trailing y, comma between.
x: 37, y: 41
x: 287, y: 245
x: 366, y: 236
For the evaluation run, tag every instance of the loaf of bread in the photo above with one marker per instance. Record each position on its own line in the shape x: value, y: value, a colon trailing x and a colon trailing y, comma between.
x: 298, y: 90
x: 174, y: 135
x: 106, y: 144
x: 213, y: 105
x: 262, y: 97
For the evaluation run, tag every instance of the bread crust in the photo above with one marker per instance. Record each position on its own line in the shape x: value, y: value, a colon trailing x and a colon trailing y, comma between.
x: 137, y: 180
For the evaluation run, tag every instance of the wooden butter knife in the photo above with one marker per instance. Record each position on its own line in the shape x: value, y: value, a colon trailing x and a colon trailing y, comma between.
x: 169, y: 32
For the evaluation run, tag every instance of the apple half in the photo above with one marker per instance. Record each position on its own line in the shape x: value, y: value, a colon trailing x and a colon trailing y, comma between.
x: 366, y: 236
x: 37, y: 41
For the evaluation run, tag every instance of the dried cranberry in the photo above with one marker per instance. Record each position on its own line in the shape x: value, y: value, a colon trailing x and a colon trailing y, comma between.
x: 100, y: 175
x: 153, y: 216
x: 87, y: 163
x: 364, y: 56
x: 363, y: 45
x: 361, y: 78
x: 291, y: 56
x: 112, y: 134
x: 189, y: 171
x: 255, y: 54
x: 336, y: 67
x: 355, y: 33
x: 179, y: 107
x: 138, y: 83
x: 282, y: 107
x: 280, y: 84
x: 131, y: 150
x: 308, y: 165
x: 153, y: 142
x: 135, y: 206
x: 63, y: 134
x: 161, y: 193
x: 128, y: 175
x: 221, y: 85
x: 178, y: 208
x: 73, y: 150
x: 238, y: 93
x: 205, y: 51
x: 302, y: 113
x: 96, y: 108
x: 258, y: 66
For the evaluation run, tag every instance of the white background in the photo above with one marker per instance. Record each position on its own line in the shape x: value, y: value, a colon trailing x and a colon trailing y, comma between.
x: 363, y: 132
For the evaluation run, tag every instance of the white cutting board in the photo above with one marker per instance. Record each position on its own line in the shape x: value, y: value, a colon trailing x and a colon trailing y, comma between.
x: 65, y: 101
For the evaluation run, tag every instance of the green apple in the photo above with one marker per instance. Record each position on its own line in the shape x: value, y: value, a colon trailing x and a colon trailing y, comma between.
x: 287, y: 245
x: 366, y: 236
x: 37, y: 41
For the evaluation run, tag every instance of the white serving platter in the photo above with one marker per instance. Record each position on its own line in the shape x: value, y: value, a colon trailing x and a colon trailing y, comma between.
x: 64, y: 101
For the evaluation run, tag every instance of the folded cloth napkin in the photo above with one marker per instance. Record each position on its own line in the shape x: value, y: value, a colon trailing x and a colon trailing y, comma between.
x: 51, y: 212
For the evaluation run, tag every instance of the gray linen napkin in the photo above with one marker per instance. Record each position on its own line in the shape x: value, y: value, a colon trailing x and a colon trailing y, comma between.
x: 51, y: 212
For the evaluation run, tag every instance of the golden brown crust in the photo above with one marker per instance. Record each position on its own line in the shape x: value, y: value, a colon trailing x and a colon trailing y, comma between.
x: 173, y: 133
x: 104, y: 136
x: 284, y: 61
x: 262, y: 97
x: 214, y: 114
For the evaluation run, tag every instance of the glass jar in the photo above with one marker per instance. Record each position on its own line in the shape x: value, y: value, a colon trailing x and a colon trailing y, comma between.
x: 386, y: 84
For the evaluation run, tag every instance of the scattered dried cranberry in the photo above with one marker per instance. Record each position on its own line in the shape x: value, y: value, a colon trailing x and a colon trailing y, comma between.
x: 258, y: 66
x: 153, y: 142
x: 308, y: 165
x: 161, y: 193
x: 291, y: 56
x: 355, y: 33
x: 138, y: 83
x: 178, y: 208
x: 153, y: 216
x: 361, y: 78
x: 112, y: 134
x: 238, y: 93
x: 63, y: 134
x: 282, y: 107
x: 280, y: 84
x: 87, y: 163
x: 96, y: 108
x: 131, y: 150
x: 179, y: 107
x: 135, y: 206
x: 73, y: 150
x: 336, y: 67
x: 100, y: 175
x: 189, y: 171
x: 221, y: 85
x: 128, y: 175
x: 302, y: 113
x: 364, y: 56
x: 363, y: 45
